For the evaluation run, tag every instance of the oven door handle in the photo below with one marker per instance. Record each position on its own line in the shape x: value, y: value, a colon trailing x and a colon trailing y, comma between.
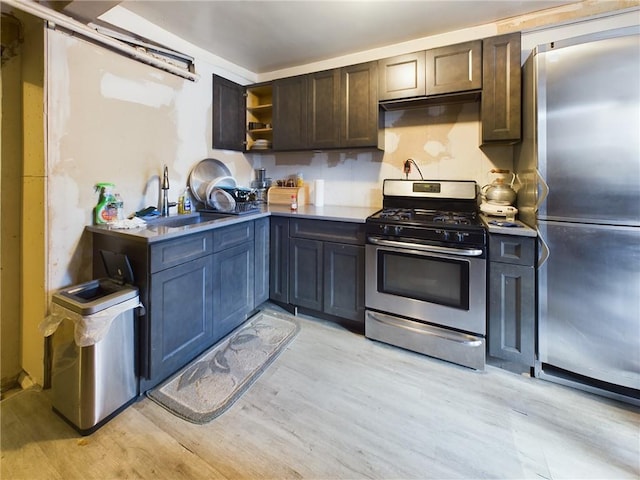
x: 467, y: 252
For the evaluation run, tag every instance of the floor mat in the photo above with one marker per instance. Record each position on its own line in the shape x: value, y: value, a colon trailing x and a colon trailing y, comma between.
x: 207, y: 387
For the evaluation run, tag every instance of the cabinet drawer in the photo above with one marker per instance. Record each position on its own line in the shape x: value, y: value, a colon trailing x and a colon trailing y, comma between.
x: 512, y: 249
x: 174, y: 252
x: 228, y: 237
x: 327, y: 230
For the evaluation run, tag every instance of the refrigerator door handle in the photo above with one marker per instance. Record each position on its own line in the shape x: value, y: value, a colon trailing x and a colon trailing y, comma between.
x: 544, y: 250
x: 543, y: 189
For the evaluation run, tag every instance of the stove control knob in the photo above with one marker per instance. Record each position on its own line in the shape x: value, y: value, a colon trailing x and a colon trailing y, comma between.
x: 460, y: 236
x: 397, y: 229
x: 444, y: 233
x: 384, y: 228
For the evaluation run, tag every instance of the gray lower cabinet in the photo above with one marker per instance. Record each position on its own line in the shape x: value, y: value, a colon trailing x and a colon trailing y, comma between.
x: 261, y: 259
x: 233, y: 273
x: 181, y: 310
x: 279, y: 259
x: 196, y: 289
x: 319, y: 265
x: 305, y: 273
x: 511, y: 329
x: 233, y: 282
x: 344, y: 280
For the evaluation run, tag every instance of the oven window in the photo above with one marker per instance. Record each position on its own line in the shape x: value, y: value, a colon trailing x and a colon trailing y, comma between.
x: 431, y: 279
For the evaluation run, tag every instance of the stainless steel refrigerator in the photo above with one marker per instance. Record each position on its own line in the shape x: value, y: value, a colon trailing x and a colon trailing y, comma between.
x: 579, y: 164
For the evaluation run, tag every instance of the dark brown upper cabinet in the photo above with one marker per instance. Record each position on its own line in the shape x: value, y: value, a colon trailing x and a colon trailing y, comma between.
x: 403, y: 76
x: 241, y: 115
x: 454, y: 68
x: 359, y: 125
x: 290, y: 113
x: 228, y: 109
x: 324, y: 109
x: 343, y: 107
x: 487, y: 69
x: 339, y: 108
x: 423, y: 78
x: 501, y: 85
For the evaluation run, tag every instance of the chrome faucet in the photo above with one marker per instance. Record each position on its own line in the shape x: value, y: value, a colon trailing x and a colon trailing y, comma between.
x: 164, y: 210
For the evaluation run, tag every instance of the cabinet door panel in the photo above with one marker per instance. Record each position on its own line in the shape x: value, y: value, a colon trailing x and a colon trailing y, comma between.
x: 261, y: 261
x: 279, y: 259
x: 359, y: 105
x: 305, y: 273
x: 402, y: 76
x: 233, y: 283
x: 501, y: 85
x: 344, y: 281
x: 512, y: 313
x: 180, y: 313
x: 324, y: 108
x: 290, y: 113
x: 228, y: 115
x: 454, y: 68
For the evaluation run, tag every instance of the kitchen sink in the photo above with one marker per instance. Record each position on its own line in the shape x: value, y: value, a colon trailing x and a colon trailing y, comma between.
x: 185, y: 220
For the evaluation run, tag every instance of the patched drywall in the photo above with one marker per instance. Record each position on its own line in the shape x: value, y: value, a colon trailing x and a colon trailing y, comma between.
x: 116, y: 120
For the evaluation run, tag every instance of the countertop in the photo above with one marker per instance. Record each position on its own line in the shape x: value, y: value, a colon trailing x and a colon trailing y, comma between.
x: 516, y: 228
x: 165, y: 228
x: 162, y: 229
x: 326, y: 212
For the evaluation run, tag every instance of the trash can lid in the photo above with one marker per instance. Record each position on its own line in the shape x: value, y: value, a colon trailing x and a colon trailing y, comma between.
x: 94, y: 296
x: 117, y: 267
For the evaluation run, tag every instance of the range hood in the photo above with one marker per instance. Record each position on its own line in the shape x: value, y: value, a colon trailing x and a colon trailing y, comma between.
x: 426, y: 101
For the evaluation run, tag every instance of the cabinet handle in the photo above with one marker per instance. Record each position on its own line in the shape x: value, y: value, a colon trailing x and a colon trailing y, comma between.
x: 544, y: 254
x: 467, y: 252
x: 544, y: 190
x: 451, y: 336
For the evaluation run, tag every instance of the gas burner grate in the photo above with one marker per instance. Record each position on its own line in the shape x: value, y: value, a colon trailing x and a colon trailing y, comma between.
x: 396, y: 214
x: 452, y: 218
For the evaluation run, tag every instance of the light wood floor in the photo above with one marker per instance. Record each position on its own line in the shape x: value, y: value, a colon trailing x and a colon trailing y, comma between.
x: 336, y: 405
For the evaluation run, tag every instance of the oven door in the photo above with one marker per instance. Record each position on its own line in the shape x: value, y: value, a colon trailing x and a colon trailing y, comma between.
x: 444, y: 287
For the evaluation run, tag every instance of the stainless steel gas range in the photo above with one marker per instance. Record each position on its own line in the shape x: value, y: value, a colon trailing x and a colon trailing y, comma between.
x: 425, y: 286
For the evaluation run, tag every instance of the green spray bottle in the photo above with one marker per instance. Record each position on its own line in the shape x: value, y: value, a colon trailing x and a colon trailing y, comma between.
x: 105, y: 211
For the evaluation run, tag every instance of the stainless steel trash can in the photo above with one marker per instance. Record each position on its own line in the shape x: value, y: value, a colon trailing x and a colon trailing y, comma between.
x: 91, y: 384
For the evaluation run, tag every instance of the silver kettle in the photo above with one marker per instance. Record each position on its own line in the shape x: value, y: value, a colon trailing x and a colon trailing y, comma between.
x: 499, y: 192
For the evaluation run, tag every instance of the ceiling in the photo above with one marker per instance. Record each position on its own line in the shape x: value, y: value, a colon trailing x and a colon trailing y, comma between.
x: 268, y: 35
